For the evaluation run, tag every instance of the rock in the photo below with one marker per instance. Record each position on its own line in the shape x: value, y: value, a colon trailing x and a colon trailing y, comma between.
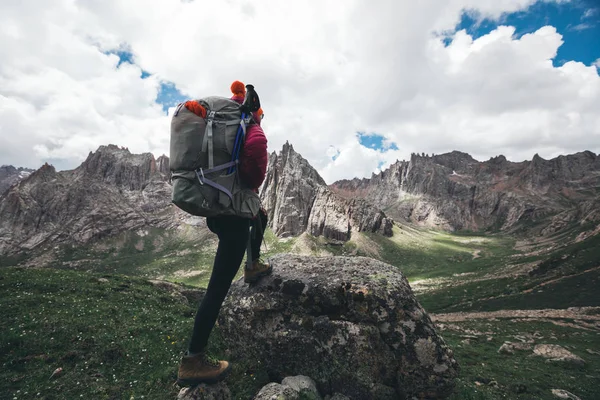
x: 563, y: 394
x: 455, y: 191
x: 554, y: 352
x: 275, y: 391
x: 288, y: 191
x: 509, y: 348
x: 348, y: 323
x: 338, y: 396
x: 10, y: 176
x: 112, y: 191
x: 218, y: 391
x: 298, y: 200
x: 303, y: 385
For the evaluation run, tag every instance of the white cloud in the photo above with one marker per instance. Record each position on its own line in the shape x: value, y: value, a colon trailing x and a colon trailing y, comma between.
x: 324, y: 70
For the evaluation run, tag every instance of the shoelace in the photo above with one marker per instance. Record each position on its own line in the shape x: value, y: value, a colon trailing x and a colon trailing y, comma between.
x: 213, y: 362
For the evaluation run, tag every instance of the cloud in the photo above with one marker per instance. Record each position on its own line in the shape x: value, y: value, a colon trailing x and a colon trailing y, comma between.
x: 323, y: 73
x: 581, y: 27
x: 590, y: 12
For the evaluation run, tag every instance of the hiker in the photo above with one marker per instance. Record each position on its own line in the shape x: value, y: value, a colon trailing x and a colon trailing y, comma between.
x: 235, y: 234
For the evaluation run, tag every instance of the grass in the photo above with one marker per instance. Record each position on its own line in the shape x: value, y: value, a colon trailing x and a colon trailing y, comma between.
x: 116, y: 339
x: 567, y: 277
x: 521, y: 375
x: 114, y: 336
x: 426, y: 254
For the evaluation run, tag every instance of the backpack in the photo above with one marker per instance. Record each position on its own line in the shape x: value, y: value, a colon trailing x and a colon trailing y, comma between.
x: 204, y: 155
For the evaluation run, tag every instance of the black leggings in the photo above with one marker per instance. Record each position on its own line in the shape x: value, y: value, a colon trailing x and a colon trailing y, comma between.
x: 233, y: 239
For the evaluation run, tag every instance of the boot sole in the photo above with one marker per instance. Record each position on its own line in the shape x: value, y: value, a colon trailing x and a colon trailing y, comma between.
x: 258, y: 276
x: 194, y: 382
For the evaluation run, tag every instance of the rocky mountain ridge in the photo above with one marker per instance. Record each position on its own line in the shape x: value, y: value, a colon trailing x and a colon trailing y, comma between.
x: 454, y: 191
x: 298, y: 200
x: 110, y: 192
x: 114, y: 191
x: 10, y: 175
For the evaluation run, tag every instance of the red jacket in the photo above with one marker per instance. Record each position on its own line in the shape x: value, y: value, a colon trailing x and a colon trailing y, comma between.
x: 254, y: 157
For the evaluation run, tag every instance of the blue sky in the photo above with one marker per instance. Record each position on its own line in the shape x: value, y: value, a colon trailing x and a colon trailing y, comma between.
x: 578, y: 21
x: 168, y: 94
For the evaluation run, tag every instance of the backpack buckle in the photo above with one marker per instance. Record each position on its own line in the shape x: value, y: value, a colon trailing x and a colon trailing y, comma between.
x: 200, y: 179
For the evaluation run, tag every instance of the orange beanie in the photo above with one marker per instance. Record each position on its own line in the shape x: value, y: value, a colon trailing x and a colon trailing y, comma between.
x: 238, y: 89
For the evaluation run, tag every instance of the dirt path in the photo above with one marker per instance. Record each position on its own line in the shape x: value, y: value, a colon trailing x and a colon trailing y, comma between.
x: 576, y: 313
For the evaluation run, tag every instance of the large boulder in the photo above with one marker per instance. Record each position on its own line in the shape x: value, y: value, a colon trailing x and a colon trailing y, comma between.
x: 351, y: 324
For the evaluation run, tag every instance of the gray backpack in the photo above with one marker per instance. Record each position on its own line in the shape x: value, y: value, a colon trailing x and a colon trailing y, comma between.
x: 204, y: 170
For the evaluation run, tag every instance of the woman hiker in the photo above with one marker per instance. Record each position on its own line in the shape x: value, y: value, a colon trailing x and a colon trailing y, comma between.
x: 196, y: 367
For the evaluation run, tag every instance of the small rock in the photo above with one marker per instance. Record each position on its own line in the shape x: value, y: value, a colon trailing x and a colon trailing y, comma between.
x: 506, y: 348
x: 563, y: 394
x: 56, y: 373
x: 493, y: 384
x: 338, y: 396
x: 554, y: 352
x: 218, y: 391
x: 303, y: 385
x: 509, y: 348
x: 275, y: 391
x: 102, y: 280
x: 590, y: 351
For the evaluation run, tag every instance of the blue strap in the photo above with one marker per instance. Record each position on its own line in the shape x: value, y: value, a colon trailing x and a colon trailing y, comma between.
x: 241, y: 132
x: 218, y: 168
x: 204, y: 181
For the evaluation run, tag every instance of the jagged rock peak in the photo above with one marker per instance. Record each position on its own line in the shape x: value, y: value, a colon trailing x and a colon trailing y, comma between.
x: 116, y: 165
x: 162, y: 164
x: 10, y: 175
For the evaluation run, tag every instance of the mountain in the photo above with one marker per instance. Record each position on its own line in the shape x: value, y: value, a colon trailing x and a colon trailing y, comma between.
x: 110, y: 192
x: 453, y: 191
x: 10, y: 175
x: 114, y: 191
x: 297, y: 200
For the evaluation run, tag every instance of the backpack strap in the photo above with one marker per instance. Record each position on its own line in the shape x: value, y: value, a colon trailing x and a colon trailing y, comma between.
x: 208, y: 136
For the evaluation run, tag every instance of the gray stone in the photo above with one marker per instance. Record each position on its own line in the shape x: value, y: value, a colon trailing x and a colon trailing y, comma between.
x: 10, y: 176
x: 275, y: 391
x: 556, y: 353
x: 297, y: 200
x: 509, y: 348
x: 320, y: 317
x: 218, y: 391
x: 563, y: 394
x: 112, y: 191
x: 338, y: 396
x: 303, y: 385
x: 455, y: 191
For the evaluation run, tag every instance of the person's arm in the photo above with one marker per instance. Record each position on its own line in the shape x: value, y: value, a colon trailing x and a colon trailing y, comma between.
x: 254, y: 157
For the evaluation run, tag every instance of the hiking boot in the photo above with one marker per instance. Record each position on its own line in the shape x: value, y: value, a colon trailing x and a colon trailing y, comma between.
x: 257, y: 271
x: 199, y: 368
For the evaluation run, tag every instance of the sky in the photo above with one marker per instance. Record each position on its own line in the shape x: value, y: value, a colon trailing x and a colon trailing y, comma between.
x: 353, y: 85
